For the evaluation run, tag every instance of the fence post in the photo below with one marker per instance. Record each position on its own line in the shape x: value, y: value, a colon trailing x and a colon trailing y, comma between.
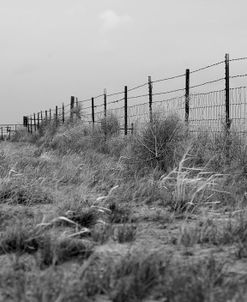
x: 9, y: 131
x: 28, y: 127
x: 38, y: 120
x: 72, y: 104
x: 41, y: 117
x: 46, y: 116
x: 56, y: 115
x: 93, y: 117
x: 227, y: 93
x: 34, y: 122
x: 150, y: 92
x: 2, y: 133
x: 105, y: 103
x: 187, y: 95
x: 31, y: 125
x: 125, y: 110
x: 50, y: 115
x: 63, y: 113
x: 227, y: 106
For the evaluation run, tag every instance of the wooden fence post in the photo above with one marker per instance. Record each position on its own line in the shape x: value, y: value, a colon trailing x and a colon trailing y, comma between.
x: 50, y: 115
x: 46, y: 116
x: 72, y: 104
x: 63, y: 118
x: 24, y: 121
x: 28, y: 127
x: 31, y: 124
x: 38, y: 119
x: 150, y: 93
x: 34, y: 122
x: 125, y: 110
x: 187, y: 95
x: 41, y: 117
x: 105, y: 103
x: 56, y: 115
x: 93, y: 116
x: 9, y: 131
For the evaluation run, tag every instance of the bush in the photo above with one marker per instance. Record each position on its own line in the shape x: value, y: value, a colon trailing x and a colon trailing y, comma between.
x: 159, y: 145
x: 110, y: 125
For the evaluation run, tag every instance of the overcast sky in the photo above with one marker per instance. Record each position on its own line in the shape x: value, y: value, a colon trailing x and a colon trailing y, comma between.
x: 52, y: 49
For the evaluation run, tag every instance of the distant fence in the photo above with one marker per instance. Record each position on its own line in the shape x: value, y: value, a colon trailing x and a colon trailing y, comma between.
x: 7, y: 130
x: 213, y: 104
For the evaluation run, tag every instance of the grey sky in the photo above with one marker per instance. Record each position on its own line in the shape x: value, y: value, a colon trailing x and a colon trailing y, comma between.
x: 52, y: 49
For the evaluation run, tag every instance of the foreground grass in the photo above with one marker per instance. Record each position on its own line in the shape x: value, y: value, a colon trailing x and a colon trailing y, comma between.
x: 95, y: 217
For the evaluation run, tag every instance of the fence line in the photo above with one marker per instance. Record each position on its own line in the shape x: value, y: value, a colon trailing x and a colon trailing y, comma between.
x: 196, y: 108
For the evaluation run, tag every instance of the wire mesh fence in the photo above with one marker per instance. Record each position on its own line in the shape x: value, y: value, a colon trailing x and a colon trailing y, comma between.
x: 211, y: 98
x: 7, y: 130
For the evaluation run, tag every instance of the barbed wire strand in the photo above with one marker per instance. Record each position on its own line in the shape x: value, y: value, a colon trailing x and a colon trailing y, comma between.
x: 207, y: 67
x: 238, y: 76
x: 169, y: 78
x: 138, y: 96
x: 167, y: 92
x: 84, y: 101
x: 116, y: 101
x: 137, y: 87
x: 115, y: 93
x: 238, y: 59
x: 206, y: 83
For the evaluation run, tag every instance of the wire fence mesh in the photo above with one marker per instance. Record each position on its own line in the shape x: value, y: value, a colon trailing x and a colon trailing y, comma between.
x: 197, y: 96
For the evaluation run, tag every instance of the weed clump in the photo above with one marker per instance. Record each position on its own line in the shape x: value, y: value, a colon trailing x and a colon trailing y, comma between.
x: 19, y: 239
x: 125, y: 233
x: 24, y: 194
x: 110, y: 125
x: 120, y: 213
x: 55, y: 252
x: 85, y: 217
x: 159, y: 145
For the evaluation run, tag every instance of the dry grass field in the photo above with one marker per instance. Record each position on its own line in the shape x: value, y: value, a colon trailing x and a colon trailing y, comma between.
x: 89, y: 215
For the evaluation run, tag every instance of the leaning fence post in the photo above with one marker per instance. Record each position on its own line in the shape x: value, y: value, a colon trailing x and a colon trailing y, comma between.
x: 187, y: 95
x: 72, y: 104
x: 105, y: 103
x: 150, y: 93
x: 93, y: 116
x: 125, y: 110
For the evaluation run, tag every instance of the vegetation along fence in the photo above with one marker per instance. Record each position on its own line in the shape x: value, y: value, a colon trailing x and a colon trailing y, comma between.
x: 6, y: 130
x: 208, y: 98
